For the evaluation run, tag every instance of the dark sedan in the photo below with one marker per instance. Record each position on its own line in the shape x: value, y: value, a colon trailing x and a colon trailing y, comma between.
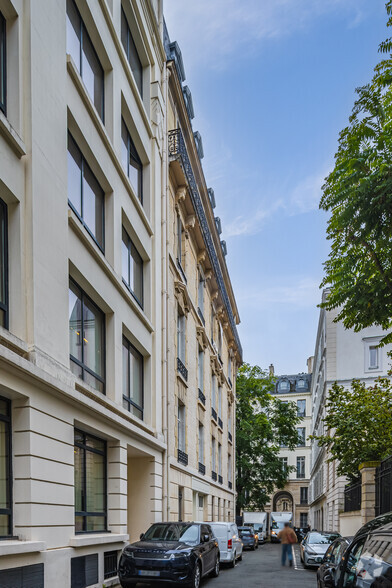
x: 247, y: 537
x: 170, y: 552
x: 328, y: 573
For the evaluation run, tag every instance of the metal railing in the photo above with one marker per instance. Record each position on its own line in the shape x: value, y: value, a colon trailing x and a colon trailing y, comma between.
x: 182, y: 457
x: 384, y: 487
x: 353, y: 496
x: 177, y: 150
x: 202, y: 398
x: 213, y: 414
x: 109, y: 564
x: 202, y: 468
x: 182, y: 369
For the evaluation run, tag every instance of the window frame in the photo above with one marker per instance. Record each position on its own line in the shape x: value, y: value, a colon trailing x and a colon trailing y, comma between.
x: 5, y: 306
x: 129, y: 35
x: 181, y: 336
x: 81, y: 364
x: 71, y: 205
x: 301, y: 414
x: 200, y: 369
x: 7, y: 419
x: 128, y: 399
x: 83, y: 31
x: 304, y: 436
x: 201, y: 455
x: 300, y: 461
x: 131, y: 148
x: 3, y: 64
x: 304, y: 495
x: 85, y: 513
x: 181, y: 425
x: 131, y: 246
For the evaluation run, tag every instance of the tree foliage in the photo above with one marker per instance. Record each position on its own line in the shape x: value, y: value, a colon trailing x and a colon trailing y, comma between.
x: 358, y: 424
x: 263, y: 423
x: 358, y: 193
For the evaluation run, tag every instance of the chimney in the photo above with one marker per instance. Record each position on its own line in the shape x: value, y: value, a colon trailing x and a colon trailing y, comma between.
x: 309, y: 362
x: 271, y: 370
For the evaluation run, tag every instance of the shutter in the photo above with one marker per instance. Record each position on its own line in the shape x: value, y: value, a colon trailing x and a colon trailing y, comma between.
x: 78, y: 572
x: 33, y: 576
x: 91, y: 569
x: 11, y: 578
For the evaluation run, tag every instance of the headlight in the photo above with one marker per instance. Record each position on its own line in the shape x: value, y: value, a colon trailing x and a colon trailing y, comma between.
x: 128, y: 553
x: 179, y: 555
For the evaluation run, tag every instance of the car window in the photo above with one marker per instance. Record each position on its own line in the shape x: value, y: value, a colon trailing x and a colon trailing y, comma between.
x: 322, y: 538
x: 329, y: 552
x: 206, y: 530
x: 349, y: 580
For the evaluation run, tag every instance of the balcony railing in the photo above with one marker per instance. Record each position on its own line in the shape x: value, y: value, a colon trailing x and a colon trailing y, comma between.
x: 384, y: 486
x: 177, y: 150
x: 213, y: 414
x: 201, y: 315
x: 230, y: 484
x: 230, y: 437
x: 202, y: 398
x: 220, y: 479
x: 182, y: 369
x: 353, y: 496
x: 214, y: 476
x: 202, y: 468
x: 220, y: 423
x: 182, y: 457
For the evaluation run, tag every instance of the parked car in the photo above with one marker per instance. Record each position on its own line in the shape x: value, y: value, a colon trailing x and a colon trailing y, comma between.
x: 314, y: 546
x: 328, y: 573
x: 176, y: 552
x: 247, y: 537
x: 230, y: 544
x: 367, y: 562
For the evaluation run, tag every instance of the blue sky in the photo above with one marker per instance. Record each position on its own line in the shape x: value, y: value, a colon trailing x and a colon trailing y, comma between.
x: 273, y: 83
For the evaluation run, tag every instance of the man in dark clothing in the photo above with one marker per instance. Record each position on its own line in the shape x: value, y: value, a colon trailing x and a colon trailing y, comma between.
x: 287, y: 538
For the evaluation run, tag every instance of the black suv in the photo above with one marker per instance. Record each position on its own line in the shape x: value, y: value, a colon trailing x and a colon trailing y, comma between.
x: 170, y: 552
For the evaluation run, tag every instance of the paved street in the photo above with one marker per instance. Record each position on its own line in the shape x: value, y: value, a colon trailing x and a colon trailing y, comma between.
x: 262, y: 568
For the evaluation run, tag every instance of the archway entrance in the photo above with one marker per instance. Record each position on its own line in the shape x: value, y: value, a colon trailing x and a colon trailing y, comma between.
x: 283, y: 502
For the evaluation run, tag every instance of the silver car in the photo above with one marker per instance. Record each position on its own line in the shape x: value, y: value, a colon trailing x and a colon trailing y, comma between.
x: 314, y: 546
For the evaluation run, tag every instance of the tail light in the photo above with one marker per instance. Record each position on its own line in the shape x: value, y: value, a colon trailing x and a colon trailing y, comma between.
x: 252, y: 536
x: 229, y: 544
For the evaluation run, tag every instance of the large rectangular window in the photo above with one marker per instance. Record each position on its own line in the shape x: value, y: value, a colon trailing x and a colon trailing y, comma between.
x: 201, y: 443
x: 181, y: 337
x: 301, y: 408
x: 86, y: 338
x: 213, y: 391
x: 301, y: 436
x: 131, y: 52
x: 3, y: 63
x: 90, y: 483
x: 200, y: 295
x: 284, y: 462
x: 303, y: 495
x: 131, y: 161
x: 5, y: 468
x: 3, y: 265
x: 81, y: 49
x: 181, y: 425
x: 85, y: 195
x: 133, y: 370
x: 200, y: 369
x: 220, y: 402
x: 132, y: 267
x: 213, y: 454
x: 300, y: 467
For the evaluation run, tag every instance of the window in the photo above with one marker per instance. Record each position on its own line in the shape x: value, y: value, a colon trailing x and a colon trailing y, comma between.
x: 81, y: 49
x: 200, y: 294
x: 284, y: 385
x: 213, y: 392
x: 229, y: 367
x: 229, y: 419
x: 373, y: 357
x: 200, y: 369
x: 5, y: 468
x: 304, y: 495
x: 180, y: 503
x: 301, y: 408
x: 301, y: 436
x: 220, y: 402
x: 85, y: 195
x: 23, y: 577
x: 181, y: 425
x: 3, y: 64
x: 201, y: 443
x: 303, y: 519
x: 181, y: 337
x: 180, y: 236
x: 84, y: 570
x: 219, y: 340
x: 300, y: 467
x: 132, y: 268
x: 133, y: 379
x: 212, y: 324
x: 3, y: 266
x: 284, y: 462
x: 109, y: 564
x: 301, y: 383
x: 86, y: 338
x: 131, y: 52
x: 213, y: 454
x: 219, y: 459
x: 90, y: 483
x: 229, y: 468
x: 131, y: 161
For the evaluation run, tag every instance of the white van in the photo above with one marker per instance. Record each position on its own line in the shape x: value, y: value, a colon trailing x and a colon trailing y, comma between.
x: 230, y: 545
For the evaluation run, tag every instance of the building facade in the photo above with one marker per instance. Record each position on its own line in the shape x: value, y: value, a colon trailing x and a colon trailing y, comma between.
x: 340, y: 356
x: 203, y: 347
x: 82, y: 119
x: 293, y: 497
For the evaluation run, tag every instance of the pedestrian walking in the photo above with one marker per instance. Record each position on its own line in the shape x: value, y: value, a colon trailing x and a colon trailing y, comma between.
x: 287, y: 538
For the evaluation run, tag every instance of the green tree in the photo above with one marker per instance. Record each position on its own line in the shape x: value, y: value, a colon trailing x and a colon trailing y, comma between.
x: 358, y: 422
x: 263, y: 423
x: 358, y: 194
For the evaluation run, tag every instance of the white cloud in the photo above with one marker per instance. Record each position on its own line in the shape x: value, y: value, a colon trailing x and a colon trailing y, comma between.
x: 303, y: 293
x: 211, y: 32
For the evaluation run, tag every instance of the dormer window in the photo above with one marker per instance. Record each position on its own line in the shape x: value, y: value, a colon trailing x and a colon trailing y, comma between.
x: 301, y: 383
x: 284, y: 385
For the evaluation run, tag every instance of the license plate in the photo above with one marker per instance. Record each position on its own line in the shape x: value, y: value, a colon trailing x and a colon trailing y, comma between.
x: 148, y: 573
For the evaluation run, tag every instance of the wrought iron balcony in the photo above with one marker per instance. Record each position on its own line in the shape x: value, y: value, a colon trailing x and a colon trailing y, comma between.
x: 202, y: 398
x: 220, y: 479
x: 230, y: 437
x: 230, y: 484
x: 214, y: 476
x: 182, y: 457
x: 201, y: 315
x: 182, y: 369
x: 220, y: 423
x: 177, y: 150
x: 202, y: 468
x: 213, y: 414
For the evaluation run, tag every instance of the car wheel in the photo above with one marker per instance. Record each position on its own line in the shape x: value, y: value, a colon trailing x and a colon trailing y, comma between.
x: 240, y: 558
x: 215, y: 571
x: 196, y: 577
x: 232, y: 563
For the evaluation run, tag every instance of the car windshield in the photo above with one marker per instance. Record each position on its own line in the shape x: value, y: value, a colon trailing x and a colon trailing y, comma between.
x: 172, y: 532
x: 245, y: 531
x: 276, y: 525
x: 322, y: 538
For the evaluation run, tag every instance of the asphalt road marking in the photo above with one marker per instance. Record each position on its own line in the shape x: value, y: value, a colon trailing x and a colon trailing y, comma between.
x: 295, y: 560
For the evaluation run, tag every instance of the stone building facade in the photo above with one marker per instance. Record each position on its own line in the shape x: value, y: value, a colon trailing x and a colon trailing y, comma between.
x: 203, y: 345
x: 293, y: 497
x: 340, y: 356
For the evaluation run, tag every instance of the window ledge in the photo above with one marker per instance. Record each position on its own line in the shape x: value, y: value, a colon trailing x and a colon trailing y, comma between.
x: 84, y: 540
x: 11, y: 136
x: 13, y: 343
x: 14, y: 547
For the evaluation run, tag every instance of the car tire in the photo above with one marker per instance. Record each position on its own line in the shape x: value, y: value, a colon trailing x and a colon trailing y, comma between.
x: 240, y: 558
x: 215, y: 571
x: 232, y: 563
x: 196, y: 577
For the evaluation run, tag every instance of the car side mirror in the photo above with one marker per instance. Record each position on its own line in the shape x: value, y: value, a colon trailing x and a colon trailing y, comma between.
x: 206, y: 538
x: 141, y: 536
